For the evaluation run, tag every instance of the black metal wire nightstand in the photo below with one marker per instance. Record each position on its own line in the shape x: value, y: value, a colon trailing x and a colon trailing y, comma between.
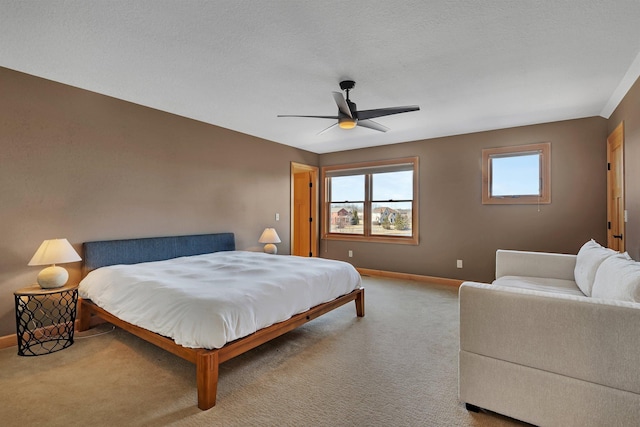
x: 45, y: 319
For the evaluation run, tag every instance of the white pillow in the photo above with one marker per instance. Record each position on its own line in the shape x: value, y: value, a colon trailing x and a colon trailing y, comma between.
x: 589, y: 258
x: 618, y: 278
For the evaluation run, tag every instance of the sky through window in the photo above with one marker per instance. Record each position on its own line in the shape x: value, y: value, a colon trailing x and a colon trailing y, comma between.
x: 515, y: 175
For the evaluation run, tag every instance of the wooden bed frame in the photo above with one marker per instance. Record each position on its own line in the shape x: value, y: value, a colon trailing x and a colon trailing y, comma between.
x: 98, y: 254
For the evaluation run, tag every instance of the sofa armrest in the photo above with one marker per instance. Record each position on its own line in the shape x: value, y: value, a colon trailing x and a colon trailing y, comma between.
x: 585, y: 338
x: 535, y: 264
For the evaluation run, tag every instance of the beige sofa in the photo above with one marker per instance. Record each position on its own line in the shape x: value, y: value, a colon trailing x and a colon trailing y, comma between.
x: 555, y: 340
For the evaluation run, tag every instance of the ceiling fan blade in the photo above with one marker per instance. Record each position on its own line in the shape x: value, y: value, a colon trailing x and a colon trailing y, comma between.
x: 342, y: 104
x: 312, y: 117
x: 380, y: 112
x: 372, y: 125
x: 326, y: 129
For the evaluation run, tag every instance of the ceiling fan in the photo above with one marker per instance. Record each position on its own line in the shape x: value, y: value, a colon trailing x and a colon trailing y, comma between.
x: 349, y: 117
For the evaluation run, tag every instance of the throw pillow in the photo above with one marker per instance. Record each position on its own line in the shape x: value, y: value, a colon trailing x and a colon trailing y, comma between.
x: 589, y: 258
x: 618, y: 278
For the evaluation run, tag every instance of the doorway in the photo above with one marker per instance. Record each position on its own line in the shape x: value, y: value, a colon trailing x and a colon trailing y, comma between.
x: 304, y: 210
x: 615, y: 190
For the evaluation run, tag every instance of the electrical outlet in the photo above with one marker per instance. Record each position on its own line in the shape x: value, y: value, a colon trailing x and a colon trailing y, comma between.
x: 350, y: 253
x: 459, y: 263
x: 277, y: 217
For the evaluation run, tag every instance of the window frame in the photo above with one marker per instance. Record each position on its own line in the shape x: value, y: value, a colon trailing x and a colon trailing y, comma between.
x: 544, y: 149
x: 368, y: 169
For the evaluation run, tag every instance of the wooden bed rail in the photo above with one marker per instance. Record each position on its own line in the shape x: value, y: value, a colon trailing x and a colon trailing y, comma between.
x: 207, y: 361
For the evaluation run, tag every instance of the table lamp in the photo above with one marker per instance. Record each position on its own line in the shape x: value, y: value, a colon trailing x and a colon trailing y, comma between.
x: 269, y: 236
x: 55, y: 251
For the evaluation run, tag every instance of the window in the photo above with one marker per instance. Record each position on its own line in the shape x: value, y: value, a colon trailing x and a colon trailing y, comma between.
x: 517, y: 175
x: 373, y: 201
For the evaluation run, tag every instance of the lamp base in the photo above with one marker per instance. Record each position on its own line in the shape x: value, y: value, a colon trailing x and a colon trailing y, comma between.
x: 270, y: 248
x: 52, y: 277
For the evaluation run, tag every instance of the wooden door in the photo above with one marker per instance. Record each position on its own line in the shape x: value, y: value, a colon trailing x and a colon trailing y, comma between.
x: 304, y: 214
x: 615, y: 189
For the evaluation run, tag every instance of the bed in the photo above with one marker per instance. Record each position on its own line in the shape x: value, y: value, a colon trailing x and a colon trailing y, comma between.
x: 257, y: 297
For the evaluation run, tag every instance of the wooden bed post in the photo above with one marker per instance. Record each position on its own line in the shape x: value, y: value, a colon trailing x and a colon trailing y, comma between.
x: 84, y: 317
x: 360, y: 303
x: 207, y: 378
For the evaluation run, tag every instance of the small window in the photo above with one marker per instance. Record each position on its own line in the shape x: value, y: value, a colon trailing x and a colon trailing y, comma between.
x: 372, y: 201
x: 517, y: 175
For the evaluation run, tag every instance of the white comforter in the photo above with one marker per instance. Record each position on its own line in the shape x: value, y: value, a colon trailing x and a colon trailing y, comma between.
x: 208, y: 300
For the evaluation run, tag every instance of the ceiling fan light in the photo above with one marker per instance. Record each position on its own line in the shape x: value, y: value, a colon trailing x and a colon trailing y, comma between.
x: 346, y: 123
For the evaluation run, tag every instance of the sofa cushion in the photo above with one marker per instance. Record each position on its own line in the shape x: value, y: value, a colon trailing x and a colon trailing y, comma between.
x: 545, y: 284
x: 618, y: 278
x: 589, y: 258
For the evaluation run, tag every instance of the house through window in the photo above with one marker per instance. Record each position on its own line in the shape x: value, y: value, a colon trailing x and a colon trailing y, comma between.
x: 373, y: 201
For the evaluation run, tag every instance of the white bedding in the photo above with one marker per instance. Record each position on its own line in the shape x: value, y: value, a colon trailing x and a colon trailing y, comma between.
x: 205, y: 301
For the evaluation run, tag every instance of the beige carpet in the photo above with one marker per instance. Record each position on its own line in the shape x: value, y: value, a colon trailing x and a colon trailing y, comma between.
x: 397, y: 366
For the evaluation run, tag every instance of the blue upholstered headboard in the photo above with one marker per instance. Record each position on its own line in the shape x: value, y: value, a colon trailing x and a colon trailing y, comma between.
x: 132, y: 251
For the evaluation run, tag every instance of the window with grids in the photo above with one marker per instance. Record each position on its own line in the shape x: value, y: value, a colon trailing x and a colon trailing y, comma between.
x: 517, y: 175
x: 372, y: 201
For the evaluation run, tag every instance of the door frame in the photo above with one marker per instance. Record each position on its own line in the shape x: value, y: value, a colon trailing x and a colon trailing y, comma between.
x: 315, y: 194
x: 616, y: 135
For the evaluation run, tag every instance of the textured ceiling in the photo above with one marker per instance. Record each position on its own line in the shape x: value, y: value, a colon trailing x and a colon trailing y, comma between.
x: 470, y: 65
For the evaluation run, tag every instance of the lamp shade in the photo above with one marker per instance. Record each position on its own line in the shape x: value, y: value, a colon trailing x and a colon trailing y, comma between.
x: 269, y: 236
x: 55, y: 251
x: 52, y: 252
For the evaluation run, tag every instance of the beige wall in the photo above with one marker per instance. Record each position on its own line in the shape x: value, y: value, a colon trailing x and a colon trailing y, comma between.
x: 628, y: 111
x: 455, y: 225
x: 83, y: 166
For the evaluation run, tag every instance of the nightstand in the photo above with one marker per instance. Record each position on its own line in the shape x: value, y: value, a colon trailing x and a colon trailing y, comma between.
x: 45, y: 319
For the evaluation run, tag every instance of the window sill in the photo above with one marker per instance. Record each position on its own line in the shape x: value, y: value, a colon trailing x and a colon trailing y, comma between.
x: 516, y: 200
x: 372, y: 239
